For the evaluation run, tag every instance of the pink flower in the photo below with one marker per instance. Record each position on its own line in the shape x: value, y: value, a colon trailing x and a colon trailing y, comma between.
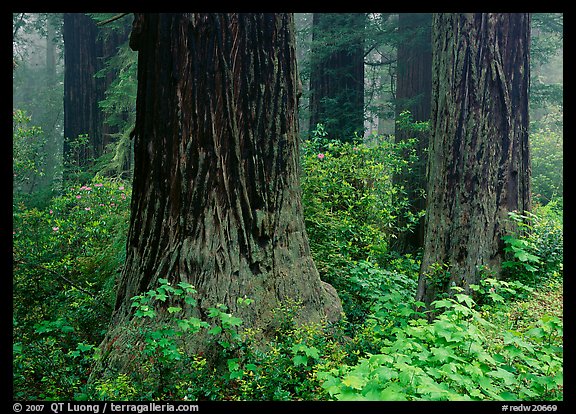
x: 87, y: 208
x: 88, y: 188
x: 121, y: 188
x: 355, y: 149
x: 98, y: 185
x: 51, y: 212
x: 101, y: 205
x: 83, y: 187
x: 78, y: 196
x: 320, y: 156
x: 123, y: 196
x: 55, y: 228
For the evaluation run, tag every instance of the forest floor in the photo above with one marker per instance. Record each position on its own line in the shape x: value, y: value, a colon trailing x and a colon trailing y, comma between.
x: 521, y: 314
x: 548, y: 300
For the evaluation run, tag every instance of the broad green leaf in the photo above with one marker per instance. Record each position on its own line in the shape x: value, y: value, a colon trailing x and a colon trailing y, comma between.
x: 393, y: 392
x: 67, y: 328
x: 84, y: 347
x: 464, y: 298
x: 354, y: 381
x: 441, y: 354
x: 507, y: 377
x: 312, y: 352
x: 215, y: 330
x: 186, y: 286
x: 443, y: 303
x: 183, y: 324
x: 508, y: 396
x: 233, y: 364
x: 350, y: 395
x: 161, y: 297
x: 251, y: 367
x: 300, y: 360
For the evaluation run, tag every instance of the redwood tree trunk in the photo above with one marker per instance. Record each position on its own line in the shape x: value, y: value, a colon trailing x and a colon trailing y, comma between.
x: 479, y: 163
x: 337, y: 74
x: 81, y: 90
x: 84, y: 55
x: 413, y: 93
x: 216, y: 195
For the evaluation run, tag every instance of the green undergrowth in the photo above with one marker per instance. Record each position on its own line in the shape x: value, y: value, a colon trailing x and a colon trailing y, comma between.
x: 505, y: 342
x: 501, y: 350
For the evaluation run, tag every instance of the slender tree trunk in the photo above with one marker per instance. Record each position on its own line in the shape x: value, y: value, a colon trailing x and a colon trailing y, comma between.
x: 81, y: 93
x: 413, y: 93
x: 50, y: 53
x: 216, y: 195
x: 84, y: 55
x: 479, y: 165
x: 53, y: 146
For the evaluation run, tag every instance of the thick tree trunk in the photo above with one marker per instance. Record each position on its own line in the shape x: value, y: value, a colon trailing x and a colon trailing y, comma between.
x: 216, y: 195
x: 337, y: 74
x: 413, y: 93
x: 479, y: 165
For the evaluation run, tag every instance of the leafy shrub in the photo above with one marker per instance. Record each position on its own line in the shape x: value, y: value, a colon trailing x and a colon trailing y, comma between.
x: 282, y: 369
x: 349, y: 200
x: 27, y: 144
x: 547, y: 152
x: 351, y: 206
x: 66, y: 258
x: 536, y: 252
x: 458, y: 356
x: 369, y: 291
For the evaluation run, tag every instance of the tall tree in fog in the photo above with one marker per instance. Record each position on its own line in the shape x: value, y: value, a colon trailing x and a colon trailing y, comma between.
x: 85, y: 51
x: 413, y: 93
x: 82, y: 91
x: 337, y: 74
x: 216, y: 195
x: 479, y: 161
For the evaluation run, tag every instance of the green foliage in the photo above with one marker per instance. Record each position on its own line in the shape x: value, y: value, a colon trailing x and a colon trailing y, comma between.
x: 536, y: 252
x: 74, y: 159
x: 458, y: 356
x: 27, y: 144
x: 349, y: 200
x: 370, y: 291
x: 66, y: 258
x: 350, y: 204
x: 547, y: 149
x: 281, y: 369
x: 119, y: 106
x: 406, y: 122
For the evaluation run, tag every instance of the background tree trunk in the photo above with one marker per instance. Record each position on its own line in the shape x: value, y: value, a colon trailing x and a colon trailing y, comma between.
x: 337, y: 74
x: 479, y: 165
x: 81, y: 92
x: 84, y: 55
x: 216, y: 195
x: 413, y: 93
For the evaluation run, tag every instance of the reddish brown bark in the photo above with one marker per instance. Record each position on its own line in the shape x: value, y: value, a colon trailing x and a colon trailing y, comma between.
x: 216, y: 196
x: 479, y: 161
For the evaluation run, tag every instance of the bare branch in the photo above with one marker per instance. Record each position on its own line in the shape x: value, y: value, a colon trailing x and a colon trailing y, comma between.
x: 110, y: 20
